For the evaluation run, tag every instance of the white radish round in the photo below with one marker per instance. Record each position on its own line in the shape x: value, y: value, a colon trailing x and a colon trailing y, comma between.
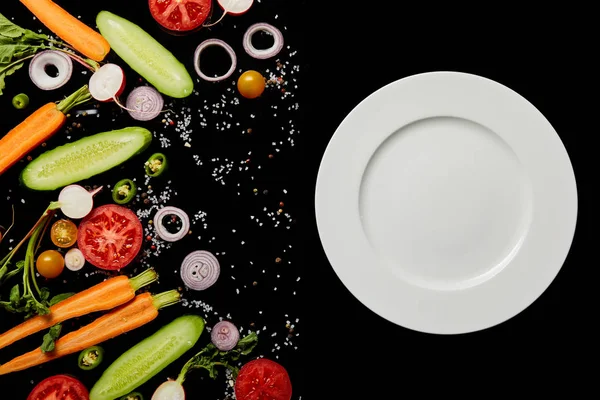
x: 235, y: 7
x: 107, y: 83
x: 75, y: 201
x: 74, y: 259
x: 169, y: 390
x: 40, y: 77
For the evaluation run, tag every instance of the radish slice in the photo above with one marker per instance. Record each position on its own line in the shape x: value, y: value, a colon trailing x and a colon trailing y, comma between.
x: 144, y: 103
x: 200, y: 270
x: 74, y: 259
x: 107, y: 83
x: 76, y: 202
x: 235, y: 7
x: 224, y: 335
x: 169, y: 390
x: 162, y: 232
x: 38, y: 69
x: 214, y: 42
x: 263, y: 53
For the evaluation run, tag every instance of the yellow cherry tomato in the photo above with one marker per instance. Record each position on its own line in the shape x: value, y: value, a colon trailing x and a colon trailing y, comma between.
x: 50, y: 264
x: 63, y: 233
x: 251, y: 84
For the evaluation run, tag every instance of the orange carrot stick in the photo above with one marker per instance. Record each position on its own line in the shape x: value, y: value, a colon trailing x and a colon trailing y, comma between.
x: 139, y: 311
x: 37, y: 128
x: 83, y: 38
x: 101, y: 297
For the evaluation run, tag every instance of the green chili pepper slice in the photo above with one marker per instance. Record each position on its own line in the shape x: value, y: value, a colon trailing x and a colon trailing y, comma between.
x: 124, y: 191
x: 20, y: 101
x: 155, y: 165
x: 133, y: 396
x: 90, y: 358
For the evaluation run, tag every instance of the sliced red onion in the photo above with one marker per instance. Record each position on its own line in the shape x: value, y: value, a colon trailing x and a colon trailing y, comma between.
x: 224, y: 335
x: 144, y: 103
x: 200, y: 270
x: 39, y: 76
x: 263, y: 53
x: 74, y: 259
x: 214, y: 42
x: 162, y: 232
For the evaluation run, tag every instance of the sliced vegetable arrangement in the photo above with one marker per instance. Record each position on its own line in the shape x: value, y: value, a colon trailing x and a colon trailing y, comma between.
x: 86, y: 231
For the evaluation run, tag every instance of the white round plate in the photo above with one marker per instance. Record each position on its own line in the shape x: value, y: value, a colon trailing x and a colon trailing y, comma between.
x: 446, y: 202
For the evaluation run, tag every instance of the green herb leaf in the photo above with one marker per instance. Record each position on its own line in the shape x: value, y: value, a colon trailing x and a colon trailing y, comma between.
x: 20, y: 264
x: 44, y: 294
x: 50, y: 337
x: 8, y: 29
x: 58, y: 298
x: 15, y: 295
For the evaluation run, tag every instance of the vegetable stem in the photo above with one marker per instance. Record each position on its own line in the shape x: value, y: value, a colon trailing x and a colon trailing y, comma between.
x: 166, y: 299
x: 12, y: 64
x: 86, y: 62
x: 81, y: 96
x: 143, y: 279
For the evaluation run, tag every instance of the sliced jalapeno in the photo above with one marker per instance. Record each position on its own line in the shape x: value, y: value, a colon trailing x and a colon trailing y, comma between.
x: 133, y: 396
x: 155, y: 165
x: 124, y: 191
x: 90, y: 358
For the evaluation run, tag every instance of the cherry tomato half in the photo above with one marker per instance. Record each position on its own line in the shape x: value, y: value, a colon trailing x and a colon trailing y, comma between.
x: 50, y: 264
x: 63, y: 233
x: 251, y: 84
x: 59, y: 386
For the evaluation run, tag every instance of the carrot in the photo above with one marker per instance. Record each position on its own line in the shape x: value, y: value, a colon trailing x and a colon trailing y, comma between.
x: 104, y: 296
x: 37, y: 128
x: 83, y: 38
x: 139, y: 311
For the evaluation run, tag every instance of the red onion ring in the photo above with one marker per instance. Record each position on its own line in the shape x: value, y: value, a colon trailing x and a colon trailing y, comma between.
x: 214, y: 42
x: 160, y: 229
x: 224, y: 335
x: 265, y: 53
x: 37, y: 69
x: 200, y: 270
x: 146, y: 101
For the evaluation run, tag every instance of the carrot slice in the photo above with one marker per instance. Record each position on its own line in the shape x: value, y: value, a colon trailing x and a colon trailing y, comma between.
x: 83, y: 38
x: 138, y: 312
x: 101, y: 297
x: 37, y: 128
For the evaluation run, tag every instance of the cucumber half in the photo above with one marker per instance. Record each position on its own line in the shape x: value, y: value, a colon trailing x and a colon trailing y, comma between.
x: 84, y: 158
x: 145, y: 55
x: 147, y: 358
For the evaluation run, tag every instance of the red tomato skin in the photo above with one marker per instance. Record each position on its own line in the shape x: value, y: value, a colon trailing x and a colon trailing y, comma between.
x: 197, y: 12
x: 134, y: 225
x: 55, y: 385
x: 263, y: 379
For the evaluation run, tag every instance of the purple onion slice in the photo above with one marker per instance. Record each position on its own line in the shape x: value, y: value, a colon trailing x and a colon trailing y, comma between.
x: 263, y: 53
x: 144, y: 103
x: 214, y: 42
x: 200, y: 270
x: 44, y: 59
x: 160, y: 229
x: 224, y: 335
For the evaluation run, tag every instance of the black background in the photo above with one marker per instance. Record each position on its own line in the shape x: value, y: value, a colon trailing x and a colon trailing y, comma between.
x: 351, y: 49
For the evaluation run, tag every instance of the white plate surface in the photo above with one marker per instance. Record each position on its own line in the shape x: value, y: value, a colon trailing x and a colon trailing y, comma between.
x: 446, y: 202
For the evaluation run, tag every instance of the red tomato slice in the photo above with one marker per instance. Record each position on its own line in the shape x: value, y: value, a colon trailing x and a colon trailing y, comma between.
x: 61, y: 387
x: 263, y: 379
x: 110, y: 237
x: 180, y: 15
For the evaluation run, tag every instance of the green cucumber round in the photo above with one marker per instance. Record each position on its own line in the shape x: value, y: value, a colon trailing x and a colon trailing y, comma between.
x: 145, y: 55
x: 147, y: 358
x: 84, y: 158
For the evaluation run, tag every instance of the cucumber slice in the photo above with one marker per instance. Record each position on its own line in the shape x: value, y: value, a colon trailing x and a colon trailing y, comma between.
x: 145, y: 55
x: 147, y: 358
x: 84, y: 158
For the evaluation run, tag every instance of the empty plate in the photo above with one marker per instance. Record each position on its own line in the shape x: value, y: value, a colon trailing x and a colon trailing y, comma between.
x: 446, y: 202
